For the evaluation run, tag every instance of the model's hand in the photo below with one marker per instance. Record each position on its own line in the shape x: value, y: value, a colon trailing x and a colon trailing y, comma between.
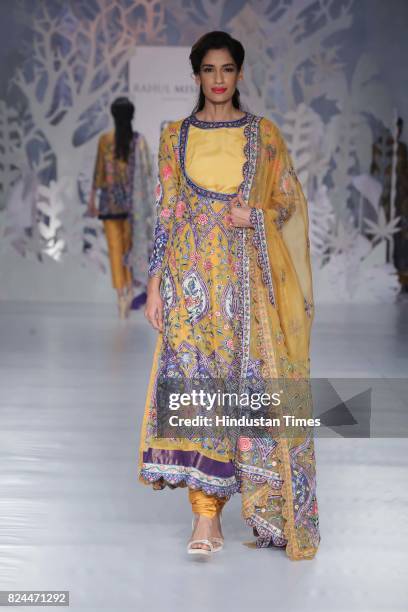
x: 154, y: 307
x: 239, y: 212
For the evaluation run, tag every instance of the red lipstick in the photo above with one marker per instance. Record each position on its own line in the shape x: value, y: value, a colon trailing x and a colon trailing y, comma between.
x: 218, y: 90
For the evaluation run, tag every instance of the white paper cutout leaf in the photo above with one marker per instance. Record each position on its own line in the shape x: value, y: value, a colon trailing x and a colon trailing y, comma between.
x: 342, y: 239
x: 383, y: 229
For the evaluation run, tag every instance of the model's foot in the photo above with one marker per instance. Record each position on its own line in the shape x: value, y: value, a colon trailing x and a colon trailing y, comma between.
x: 206, y: 528
x: 123, y: 307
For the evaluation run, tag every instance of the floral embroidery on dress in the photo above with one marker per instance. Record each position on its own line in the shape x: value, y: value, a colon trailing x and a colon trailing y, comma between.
x: 270, y: 151
x: 283, y: 215
x: 196, y: 296
x: 286, y: 183
x: 229, y: 301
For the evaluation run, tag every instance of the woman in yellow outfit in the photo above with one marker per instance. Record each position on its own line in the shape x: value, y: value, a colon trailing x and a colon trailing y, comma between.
x: 122, y: 177
x: 230, y: 292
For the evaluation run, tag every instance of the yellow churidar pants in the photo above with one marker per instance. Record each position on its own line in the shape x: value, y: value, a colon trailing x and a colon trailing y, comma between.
x: 119, y: 239
x: 208, y: 505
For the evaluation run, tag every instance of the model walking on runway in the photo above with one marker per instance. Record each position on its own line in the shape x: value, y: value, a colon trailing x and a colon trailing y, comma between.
x: 122, y: 179
x: 230, y: 293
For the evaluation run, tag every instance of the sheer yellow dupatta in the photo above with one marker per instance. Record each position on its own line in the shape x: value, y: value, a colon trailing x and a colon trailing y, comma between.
x: 277, y: 476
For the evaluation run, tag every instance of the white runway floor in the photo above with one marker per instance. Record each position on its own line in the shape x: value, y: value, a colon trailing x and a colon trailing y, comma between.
x: 74, y: 517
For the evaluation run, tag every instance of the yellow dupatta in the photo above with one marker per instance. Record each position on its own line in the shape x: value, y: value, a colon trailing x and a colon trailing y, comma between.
x: 276, y: 262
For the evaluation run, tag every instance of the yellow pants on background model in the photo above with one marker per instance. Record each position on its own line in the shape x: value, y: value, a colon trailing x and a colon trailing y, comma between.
x: 208, y: 505
x: 119, y: 238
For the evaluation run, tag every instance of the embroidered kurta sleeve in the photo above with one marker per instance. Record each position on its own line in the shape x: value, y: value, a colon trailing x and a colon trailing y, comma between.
x: 99, y: 170
x: 286, y: 213
x: 166, y: 198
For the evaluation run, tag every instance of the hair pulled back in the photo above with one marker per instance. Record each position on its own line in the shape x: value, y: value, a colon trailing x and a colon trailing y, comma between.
x: 122, y: 111
x: 216, y: 40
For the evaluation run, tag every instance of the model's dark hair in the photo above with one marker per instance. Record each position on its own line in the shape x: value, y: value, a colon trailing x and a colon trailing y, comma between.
x: 122, y: 111
x: 216, y: 40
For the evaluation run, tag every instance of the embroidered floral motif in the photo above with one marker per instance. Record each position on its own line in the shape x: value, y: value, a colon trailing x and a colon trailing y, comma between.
x: 244, y: 444
x: 286, y: 183
x: 283, y: 215
x: 270, y: 152
x: 308, y: 307
x: 229, y: 301
x: 180, y: 208
x: 196, y: 296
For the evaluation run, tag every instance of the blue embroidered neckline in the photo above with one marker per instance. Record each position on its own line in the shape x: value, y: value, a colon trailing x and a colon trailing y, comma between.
x: 247, y: 120
x: 206, y: 125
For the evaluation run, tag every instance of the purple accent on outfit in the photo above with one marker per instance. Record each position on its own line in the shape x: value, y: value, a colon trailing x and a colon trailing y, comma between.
x: 189, y: 459
x: 139, y: 300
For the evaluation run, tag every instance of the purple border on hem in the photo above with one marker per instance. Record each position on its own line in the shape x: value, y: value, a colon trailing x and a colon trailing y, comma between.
x: 189, y: 459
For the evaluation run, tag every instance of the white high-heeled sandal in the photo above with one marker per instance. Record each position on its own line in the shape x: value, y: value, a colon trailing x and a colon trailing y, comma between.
x: 200, y: 551
x: 215, y: 544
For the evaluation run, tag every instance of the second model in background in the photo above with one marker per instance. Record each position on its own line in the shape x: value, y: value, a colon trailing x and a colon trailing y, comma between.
x: 123, y: 181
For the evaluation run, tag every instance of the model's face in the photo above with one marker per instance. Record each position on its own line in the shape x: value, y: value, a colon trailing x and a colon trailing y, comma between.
x: 218, y: 76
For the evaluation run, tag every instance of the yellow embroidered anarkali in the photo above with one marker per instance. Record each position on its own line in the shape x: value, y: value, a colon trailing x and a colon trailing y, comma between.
x: 234, y: 307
